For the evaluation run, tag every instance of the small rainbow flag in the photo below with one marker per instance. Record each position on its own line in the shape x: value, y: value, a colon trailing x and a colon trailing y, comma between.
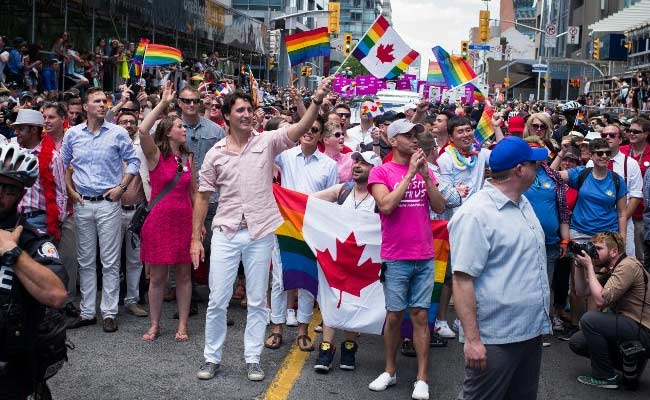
x: 455, y: 70
x: 198, y: 77
x: 478, y: 95
x: 484, y: 129
x: 580, y: 118
x: 383, y: 52
x: 299, y: 268
x: 434, y: 75
x: 373, y: 111
x: 138, y: 56
x: 309, y: 44
x: 158, y: 55
x: 222, y: 90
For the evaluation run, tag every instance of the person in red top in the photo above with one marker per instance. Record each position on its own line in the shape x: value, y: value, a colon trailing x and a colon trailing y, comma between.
x: 638, y: 149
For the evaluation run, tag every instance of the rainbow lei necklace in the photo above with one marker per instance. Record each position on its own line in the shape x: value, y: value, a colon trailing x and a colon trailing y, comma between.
x: 460, y: 161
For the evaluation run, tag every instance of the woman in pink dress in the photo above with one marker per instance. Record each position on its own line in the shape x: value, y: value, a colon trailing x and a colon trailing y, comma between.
x: 166, y: 233
x: 333, y: 138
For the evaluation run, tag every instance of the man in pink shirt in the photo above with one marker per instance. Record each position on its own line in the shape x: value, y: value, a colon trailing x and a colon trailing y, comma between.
x: 404, y: 190
x: 240, y: 168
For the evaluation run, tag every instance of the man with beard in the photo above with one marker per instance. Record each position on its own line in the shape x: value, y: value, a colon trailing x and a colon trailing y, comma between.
x: 622, y: 286
x: 354, y: 195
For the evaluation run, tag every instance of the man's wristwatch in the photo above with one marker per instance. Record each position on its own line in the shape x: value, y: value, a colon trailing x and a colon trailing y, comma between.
x: 10, y: 257
x: 316, y: 101
x: 123, y: 187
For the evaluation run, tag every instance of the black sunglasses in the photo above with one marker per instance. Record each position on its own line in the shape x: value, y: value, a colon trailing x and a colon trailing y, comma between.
x: 344, y: 115
x: 314, y: 129
x: 539, y: 127
x: 634, y: 131
x: 603, y: 153
x: 337, y: 134
x: 189, y: 101
x: 604, y: 135
x: 179, y: 164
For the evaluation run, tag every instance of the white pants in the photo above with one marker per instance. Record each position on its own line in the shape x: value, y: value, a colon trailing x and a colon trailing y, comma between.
x: 224, y: 262
x: 279, y: 296
x: 103, y: 219
x: 68, y: 250
x: 629, y: 238
x: 133, y: 264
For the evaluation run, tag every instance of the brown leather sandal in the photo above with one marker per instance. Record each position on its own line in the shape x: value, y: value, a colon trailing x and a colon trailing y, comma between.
x: 305, y: 343
x: 274, y: 341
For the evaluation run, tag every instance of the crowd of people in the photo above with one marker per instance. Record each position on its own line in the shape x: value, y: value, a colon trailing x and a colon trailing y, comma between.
x: 555, y: 208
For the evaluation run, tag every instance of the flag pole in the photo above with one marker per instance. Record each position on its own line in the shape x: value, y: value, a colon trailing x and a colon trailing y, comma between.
x: 357, y: 45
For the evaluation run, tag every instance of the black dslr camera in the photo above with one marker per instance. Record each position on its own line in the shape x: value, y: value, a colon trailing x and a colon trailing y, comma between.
x: 589, y: 248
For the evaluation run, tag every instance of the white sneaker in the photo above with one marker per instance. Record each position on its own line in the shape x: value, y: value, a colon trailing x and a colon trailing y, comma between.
x: 420, y: 391
x: 443, y: 330
x: 456, y: 325
x: 291, y: 318
x: 383, y: 381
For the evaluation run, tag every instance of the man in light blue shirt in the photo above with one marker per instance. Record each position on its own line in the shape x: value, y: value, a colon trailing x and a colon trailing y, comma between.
x: 93, y: 153
x: 303, y: 169
x: 500, y: 283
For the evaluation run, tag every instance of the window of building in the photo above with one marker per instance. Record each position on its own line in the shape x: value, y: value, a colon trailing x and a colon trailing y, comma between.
x: 355, y: 16
x: 356, y: 3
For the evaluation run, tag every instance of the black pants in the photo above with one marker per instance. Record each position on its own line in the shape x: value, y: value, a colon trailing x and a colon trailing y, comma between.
x: 646, y: 255
x: 561, y: 281
x: 599, y: 338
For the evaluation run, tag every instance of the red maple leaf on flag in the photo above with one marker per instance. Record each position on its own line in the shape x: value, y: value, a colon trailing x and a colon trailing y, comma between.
x: 344, y: 273
x: 384, y: 53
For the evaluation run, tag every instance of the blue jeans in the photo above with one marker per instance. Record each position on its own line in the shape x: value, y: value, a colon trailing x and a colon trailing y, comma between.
x: 552, y: 255
x: 408, y: 283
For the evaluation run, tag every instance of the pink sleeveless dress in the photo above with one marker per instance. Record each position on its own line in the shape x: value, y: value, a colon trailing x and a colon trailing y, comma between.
x: 166, y: 233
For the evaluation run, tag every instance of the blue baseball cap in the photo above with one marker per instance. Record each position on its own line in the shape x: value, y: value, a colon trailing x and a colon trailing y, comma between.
x: 512, y: 151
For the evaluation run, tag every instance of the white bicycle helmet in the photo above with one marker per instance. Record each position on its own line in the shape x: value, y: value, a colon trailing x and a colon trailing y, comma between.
x: 571, y: 106
x: 18, y: 164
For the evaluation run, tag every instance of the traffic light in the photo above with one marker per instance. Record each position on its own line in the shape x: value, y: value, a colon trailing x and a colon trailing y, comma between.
x: 303, y: 71
x: 506, y: 81
x: 333, y: 18
x: 628, y: 46
x: 347, y: 44
x: 484, y: 25
x: 308, y: 71
x: 464, y: 49
x: 596, y: 52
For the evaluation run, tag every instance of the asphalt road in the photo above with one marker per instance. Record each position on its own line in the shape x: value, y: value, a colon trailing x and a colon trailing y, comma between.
x: 122, y: 366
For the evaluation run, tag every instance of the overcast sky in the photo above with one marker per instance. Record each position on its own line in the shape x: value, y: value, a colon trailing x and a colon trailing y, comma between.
x: 426, y: 23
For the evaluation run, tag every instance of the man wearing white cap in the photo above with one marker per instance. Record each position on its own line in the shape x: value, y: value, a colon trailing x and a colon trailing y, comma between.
x: 353, y: 194
x: 46, y: 199
x: 405, y: 189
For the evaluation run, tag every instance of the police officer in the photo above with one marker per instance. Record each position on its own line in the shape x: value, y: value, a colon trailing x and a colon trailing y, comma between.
x: 31, y: 277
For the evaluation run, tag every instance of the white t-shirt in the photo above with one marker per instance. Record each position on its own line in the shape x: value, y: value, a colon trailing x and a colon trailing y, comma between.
x: 366, y: 203
x: 473, y: 177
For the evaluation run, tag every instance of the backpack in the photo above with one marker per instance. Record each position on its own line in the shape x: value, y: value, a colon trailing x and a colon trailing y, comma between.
x: 585, y: 173
x: 344, y: 192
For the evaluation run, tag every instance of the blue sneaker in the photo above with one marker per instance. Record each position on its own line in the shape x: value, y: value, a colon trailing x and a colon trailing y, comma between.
x: 611, y: 383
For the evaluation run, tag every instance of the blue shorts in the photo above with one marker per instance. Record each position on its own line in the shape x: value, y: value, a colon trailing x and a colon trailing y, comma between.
x: 408, y: 283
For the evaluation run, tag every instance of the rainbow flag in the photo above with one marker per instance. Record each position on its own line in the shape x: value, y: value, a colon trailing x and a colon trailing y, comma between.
x: 383, y: 52
x: 434, y: 75
x: 138, y: 56
x: 375, y: 110
x: 298, y: 261
x: 198, y: 77
x: 478, y: 95
x: 441, y: 263
x: 253, y: 86
x: 222, y: 90
x: 158, y: 55
x: 484, y: 129
x: 302, y: 46
x: 455, y: 70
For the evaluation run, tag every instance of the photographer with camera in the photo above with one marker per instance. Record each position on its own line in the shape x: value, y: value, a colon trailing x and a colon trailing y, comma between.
x: 31, y: 277
x: 618, y: 339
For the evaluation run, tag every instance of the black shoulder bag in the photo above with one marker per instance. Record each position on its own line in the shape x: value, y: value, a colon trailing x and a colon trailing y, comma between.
x: 143, y: 210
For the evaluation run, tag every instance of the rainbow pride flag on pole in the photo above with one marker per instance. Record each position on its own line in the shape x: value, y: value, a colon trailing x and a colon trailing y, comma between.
x: 484, y: 129
x: 157, y: 55
x: 455, y: 70
x: 434, y: 75
x: 302, y: 46
x: 383, y: 52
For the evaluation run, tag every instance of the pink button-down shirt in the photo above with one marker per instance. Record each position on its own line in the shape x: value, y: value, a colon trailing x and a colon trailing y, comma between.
x: 244, y: 183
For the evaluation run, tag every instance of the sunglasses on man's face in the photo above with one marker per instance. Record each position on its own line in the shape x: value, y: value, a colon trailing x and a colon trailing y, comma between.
x: 603, y: 153
x: 612, y: 135
x: 189, y: 101
x: 344, y: 115
x: 314, y: 129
